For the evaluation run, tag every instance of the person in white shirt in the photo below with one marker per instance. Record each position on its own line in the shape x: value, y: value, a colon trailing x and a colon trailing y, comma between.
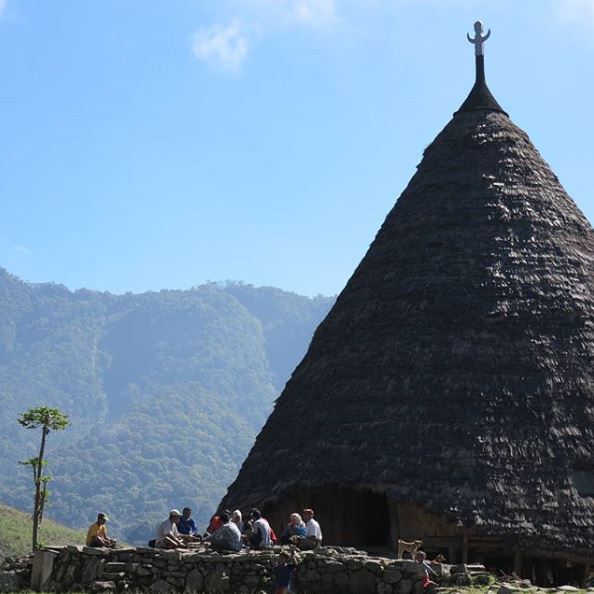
x: 313, y: 532
x: 167, y: 535
x: 261, y: 533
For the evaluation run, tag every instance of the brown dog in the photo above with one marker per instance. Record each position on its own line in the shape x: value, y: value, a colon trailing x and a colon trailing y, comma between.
x: 439, y: 559
x: 410, y: 547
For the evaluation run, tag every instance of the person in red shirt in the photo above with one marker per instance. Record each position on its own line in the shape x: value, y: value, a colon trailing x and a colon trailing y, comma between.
x: 421, y: 559
x: 215, y: 523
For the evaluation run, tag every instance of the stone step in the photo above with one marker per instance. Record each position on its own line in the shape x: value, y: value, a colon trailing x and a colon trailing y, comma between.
x: 112, y: 576
x: 96, y: 551
x: 467, y: 568
x: 102, y: 586
x: 115, y: 566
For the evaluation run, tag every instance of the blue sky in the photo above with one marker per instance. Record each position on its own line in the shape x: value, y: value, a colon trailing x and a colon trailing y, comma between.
x: 148, y: 144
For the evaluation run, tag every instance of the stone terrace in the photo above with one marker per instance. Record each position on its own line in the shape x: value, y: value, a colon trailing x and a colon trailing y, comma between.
x: 323, y: 571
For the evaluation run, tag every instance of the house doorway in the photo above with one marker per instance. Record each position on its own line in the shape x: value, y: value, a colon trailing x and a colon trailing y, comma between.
x: 347, y: 516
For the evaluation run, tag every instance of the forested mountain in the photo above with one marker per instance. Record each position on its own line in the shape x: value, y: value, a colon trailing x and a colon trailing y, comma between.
x: 166, y: 392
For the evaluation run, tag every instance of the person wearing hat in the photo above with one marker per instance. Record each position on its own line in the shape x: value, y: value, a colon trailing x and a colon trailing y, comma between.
x: 97, y: 534
x: 168, y: 536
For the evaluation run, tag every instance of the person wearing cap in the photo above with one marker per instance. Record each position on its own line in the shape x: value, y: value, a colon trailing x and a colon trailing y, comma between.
x: 168, y: 536
x: 97, y: 534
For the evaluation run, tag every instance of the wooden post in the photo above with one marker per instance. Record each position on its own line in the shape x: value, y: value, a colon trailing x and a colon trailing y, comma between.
x: 585, y: 574
x: 394, y: 527
x: 541, y: 569
x: 465, y: 547
x: 518, y: 562
x: 451, y: 553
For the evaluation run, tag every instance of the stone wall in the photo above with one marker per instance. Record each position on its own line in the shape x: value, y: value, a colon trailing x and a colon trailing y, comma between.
x: 15, y: 574
x: 323, y: 571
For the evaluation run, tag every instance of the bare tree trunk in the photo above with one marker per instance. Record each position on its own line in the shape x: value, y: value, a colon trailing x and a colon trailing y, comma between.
x: 38, y: 506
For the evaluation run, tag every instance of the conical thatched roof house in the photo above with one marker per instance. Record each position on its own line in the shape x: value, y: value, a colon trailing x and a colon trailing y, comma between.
x: 449, y: 394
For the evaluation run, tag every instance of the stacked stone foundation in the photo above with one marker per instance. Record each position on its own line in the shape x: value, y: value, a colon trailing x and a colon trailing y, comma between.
x: 323, y: 571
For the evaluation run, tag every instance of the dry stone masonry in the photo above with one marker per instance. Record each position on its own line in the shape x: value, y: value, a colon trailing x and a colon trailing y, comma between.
x: 327, y: 570
x: 15, y: 574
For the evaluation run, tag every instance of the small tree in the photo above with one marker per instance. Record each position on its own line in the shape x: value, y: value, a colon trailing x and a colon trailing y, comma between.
x: 48, y: 419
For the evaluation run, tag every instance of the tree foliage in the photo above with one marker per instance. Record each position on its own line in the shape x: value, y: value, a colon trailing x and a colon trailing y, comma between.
x: 47, y: 419
x: 166, y: 392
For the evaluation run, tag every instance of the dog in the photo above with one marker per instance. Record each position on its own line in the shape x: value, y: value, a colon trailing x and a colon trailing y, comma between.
x: 439, y: 559
x: 409, y: 547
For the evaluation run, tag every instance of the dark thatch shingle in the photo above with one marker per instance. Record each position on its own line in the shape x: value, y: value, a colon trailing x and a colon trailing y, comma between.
x: 456, y: 369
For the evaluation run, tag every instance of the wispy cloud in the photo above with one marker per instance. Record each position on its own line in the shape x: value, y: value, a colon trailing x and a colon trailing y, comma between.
x: 2, y: 6
x: 226, y: 47
x: 21, y: 249
x: 314, y: 13
x: 577, y: 12
x: 221, y: 47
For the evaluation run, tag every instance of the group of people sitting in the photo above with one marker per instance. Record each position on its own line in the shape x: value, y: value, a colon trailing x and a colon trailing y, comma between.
x: 227, y: 531
x: 304, y: 532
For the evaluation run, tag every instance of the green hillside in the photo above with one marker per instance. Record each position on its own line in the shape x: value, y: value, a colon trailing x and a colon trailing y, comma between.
x: 166, y: 392
x: 15, y: 532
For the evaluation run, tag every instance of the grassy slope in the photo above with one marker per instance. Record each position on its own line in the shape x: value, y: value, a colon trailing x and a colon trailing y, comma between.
x: 16, y: 529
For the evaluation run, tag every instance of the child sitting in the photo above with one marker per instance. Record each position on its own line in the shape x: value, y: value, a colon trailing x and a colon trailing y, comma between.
x: 283, y: 572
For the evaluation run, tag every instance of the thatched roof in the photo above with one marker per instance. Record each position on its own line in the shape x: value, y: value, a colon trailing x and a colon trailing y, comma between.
x: 456, y: 369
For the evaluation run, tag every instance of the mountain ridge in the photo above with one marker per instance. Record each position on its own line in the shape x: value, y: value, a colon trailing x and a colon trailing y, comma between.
x: 166, y: 391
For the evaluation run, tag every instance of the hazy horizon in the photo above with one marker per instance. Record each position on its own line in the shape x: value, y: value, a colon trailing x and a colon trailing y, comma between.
x: 216, y: 283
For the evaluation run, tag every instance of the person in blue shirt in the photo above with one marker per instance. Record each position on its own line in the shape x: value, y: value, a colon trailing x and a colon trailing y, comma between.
x: 296, y: 528
x: 186, y: 524
x: 283, y: 572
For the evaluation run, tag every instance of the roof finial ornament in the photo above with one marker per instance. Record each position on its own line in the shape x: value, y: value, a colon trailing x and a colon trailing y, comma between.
x: 480, y: 97
x: 479, y: 39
